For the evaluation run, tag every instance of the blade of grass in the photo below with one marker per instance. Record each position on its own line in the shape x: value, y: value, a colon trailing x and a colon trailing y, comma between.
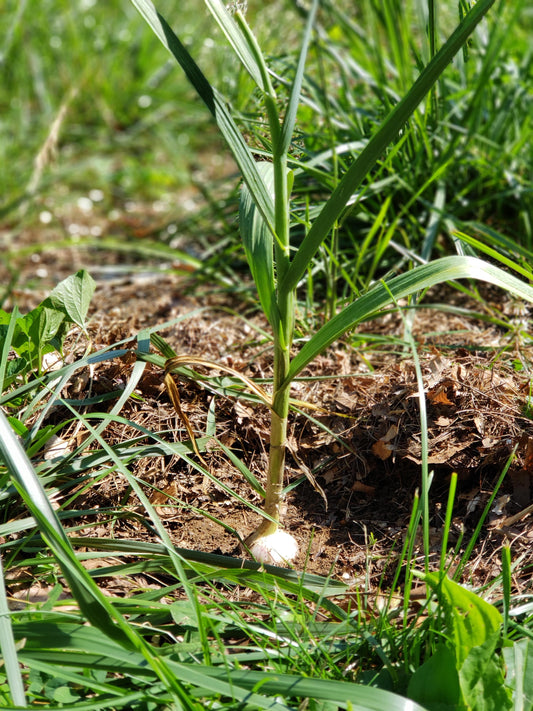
x: 506, y: 580
x: 80, y: 638
x: 289, y: 121
x: 93, y: 603
x: 247, y: 474
x: 524, y: 270
x: 8, y: 648
x: 424, y: 474
x: 241, y: 48
x: 474, y: 538
x: 345, y: 694
x: 6, y: 345
x: 258, y: 244
x: 251, y: 572
x: 447, y: 521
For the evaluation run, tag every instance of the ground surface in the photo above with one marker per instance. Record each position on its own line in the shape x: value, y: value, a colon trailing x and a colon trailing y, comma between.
x: 357, y: 463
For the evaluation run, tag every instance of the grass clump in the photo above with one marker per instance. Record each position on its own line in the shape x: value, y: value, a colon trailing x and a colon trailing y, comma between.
x: 438, y: 179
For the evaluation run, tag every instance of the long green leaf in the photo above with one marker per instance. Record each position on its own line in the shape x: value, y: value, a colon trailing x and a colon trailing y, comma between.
x: 368, y: 157
x: 78, y: 638
x: 294, y: 99
x: 8, y: 648
x: 216, y: 105
x: 93, y: 603
x: 89, y: 598
x: 252, y: 571
x: 345, y: 694
x: 258, y: 243
x: 7, y: 337
x: 417, y: 279
x: 50, y: 641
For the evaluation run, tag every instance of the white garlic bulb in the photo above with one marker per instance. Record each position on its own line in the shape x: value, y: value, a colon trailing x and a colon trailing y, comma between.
x: 275, y: 548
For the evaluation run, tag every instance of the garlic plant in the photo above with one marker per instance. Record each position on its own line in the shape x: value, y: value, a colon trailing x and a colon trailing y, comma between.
x: 276, y: 267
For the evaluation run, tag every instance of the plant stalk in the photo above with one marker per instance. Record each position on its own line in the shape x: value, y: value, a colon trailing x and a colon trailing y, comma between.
x: 283, y: 335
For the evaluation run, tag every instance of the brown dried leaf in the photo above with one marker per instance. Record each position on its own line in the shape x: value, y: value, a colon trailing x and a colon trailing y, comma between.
x: 243, y: 412
x: 443, y: 450
x: 382, y: 449
x: 528, y: 460
x: 363, y: 488
x: 443, y: 421
x: 439, y: 397
x: 479, y: 422
x: 391, y: 433
x: 346, y: 401
x: 436, y: 368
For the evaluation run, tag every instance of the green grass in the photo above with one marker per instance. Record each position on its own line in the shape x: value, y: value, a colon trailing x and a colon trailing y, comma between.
x: 90, y: 92
x: 458, y: 180
x: 276, y: 263
x: 470, y: 173
x: 463, y: 163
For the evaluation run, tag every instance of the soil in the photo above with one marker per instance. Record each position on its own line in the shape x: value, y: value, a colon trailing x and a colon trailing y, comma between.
x: 354, y: 459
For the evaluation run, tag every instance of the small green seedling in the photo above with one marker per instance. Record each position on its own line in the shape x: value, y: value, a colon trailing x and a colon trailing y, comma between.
x: 277, y: 266
x: 42, y: 331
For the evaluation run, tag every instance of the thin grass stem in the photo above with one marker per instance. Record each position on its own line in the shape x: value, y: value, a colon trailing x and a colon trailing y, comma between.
x: 473, y: 540
x: 8, y: 647
x: 447, y: 521
x: 506, y: 582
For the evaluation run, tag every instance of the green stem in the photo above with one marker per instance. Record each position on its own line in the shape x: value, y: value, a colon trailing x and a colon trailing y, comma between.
x: 282, y: 341
x: 283, y: 335
x: 253, y: 46
x: 278, y: 446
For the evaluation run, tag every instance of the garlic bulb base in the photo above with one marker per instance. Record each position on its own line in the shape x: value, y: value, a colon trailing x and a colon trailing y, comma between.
x: 275, y: 548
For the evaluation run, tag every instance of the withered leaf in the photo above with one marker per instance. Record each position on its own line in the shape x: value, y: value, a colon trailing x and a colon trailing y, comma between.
x: 391, y: 433
x: 382, y: 449
x: 436, y: 368
x: 242, y: 412
x: 528, y: 460
x: 479, y: 422
x: 443, y: 421
x: 364, y: 488
x: 345, y: 401
x: 439, y: 397
x: 444, y: 454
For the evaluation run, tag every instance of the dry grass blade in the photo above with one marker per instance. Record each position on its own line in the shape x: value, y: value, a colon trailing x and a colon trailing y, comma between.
x: 48, y: 151
x: 181, y: 360
x: 174, y: 395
